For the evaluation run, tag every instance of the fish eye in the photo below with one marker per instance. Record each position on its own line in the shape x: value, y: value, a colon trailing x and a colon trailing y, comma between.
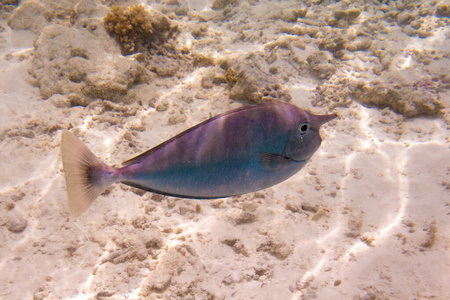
x: 303, y: 128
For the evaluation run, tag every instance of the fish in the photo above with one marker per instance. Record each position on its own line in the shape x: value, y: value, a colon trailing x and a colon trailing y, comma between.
x: 238, y: 152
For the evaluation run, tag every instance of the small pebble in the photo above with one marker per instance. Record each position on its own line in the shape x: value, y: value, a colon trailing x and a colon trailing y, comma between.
x: 17, y: 226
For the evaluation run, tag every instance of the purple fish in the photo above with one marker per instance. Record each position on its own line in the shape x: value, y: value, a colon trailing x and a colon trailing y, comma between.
x: 238, y: 152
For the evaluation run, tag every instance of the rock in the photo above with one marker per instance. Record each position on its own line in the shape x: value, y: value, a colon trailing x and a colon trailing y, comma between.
x: 72, y: 61
x: 104, y: 294
x: 279, y: 249
x: 362, y: 44
x: 431, y: 236
x: 406, y: 92
x: 140, y: 222
x: 354, y: 228
x: 333, y: 45
x: 163, y: 66
x: 160, y: 279
x: 342, y: 18
x: 89, y: 9
x: 18, y: 196
x: 275, y: 92
x: 391, y: 16
x: 199, y: 31
x: 9, y: 205
x: 292, y: 207
x: 246, y: 88
x: 60, y: 101
x: 159, y: 283
x: 29, y: 16
x: 405, y: 18
x: 177, y: 116
x: 10, y: 2
x: 152, y: 238
x: 353, y: 14
x: 209, y: 79
x: 443, y: 10
x: 291, y: 15
x: 245, y: 218
x: 249, y: 83
x: 203, y: 61
x: 321, y: 64
x: 221, y: 4
x: 309, y: 207
x: 162, y: 105
x: 237, y: 245
x: 320, y: 214
x: 17, y: 225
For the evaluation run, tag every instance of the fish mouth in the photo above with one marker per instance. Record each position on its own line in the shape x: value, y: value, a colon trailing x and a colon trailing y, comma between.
x: 299, y: 161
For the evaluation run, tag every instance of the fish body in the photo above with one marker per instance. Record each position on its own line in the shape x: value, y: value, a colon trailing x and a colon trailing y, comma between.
x: 238, y: 152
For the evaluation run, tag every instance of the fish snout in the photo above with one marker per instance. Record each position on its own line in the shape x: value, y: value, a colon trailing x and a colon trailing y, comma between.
x: 319, y: 120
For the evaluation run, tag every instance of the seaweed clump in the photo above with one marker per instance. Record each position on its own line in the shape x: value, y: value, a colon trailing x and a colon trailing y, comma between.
x: 138, y: 29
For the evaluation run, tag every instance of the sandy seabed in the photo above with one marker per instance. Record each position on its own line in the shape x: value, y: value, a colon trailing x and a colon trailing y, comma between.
x: 366, y: 218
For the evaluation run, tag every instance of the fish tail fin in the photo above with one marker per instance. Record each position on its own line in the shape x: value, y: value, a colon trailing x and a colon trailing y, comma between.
x: 86, y: 176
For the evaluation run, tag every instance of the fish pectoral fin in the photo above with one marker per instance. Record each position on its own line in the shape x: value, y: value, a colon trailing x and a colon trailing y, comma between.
x: 273, y: 160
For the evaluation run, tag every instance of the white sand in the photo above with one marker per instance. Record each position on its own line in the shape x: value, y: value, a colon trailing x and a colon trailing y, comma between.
x: 367, y: 218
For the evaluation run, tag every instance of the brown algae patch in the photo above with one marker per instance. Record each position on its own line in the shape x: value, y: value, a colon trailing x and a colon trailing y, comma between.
x: 138, y: 29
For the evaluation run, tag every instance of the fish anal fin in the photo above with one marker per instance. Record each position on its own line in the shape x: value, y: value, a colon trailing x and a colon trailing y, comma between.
x: 146, y: 188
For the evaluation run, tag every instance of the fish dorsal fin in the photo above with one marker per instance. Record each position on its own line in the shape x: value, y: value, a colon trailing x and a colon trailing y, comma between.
x: 138, y: 158
x: 273, y: 160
